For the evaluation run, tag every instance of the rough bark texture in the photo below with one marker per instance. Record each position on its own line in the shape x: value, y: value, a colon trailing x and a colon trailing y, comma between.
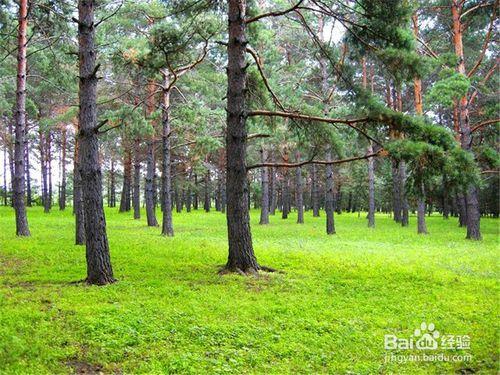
x: 473, y: 215
x: 329, y: 195
x: 127, y: 180
x: 99, y: 269
x: 264, y: 175
x: 241, y: 255
x: 136, y: 200
x: 167, y: 225
x: 299, y: 194
x: 18, y: 183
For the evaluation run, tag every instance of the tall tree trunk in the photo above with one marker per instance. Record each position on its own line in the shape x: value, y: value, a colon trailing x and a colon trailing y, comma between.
x: 299, y: 193
x: 167, y: 224
x: 5, y: 175
x: 22, y: 228
x: 421, y: 227
x: 285, y: 195
x: 206, y: 187
x: 48, y: 154
x: 462, y: 209
x: 136, y: 202
x: 471, y: 195
x: 264, y: 175
x: 338, y: 200
x: 371, y: 189
x: 241, y: 256
x: 196, y: 198
x: 11, y: 158
x: 99, y: 270
x: 29, y: 196
x: 272, y: 190
x: 112, y: 183
x: 396, y: 192
x: 314, y: 191
x: 78, y: 195
x: 329, y: 194
x: 127, y: 177
x: 43, y: 166
x: 404, y: 199
x: 62, y: 196
x: 148, y: 186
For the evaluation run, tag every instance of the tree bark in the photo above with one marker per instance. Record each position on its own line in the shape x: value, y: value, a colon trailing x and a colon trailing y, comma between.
x: 285, y: 196
x: 473, y: 215
x: 48, y: 153
x: 241, y: 256
x: 371, y: 189
x: 272, y: 190
x: 99, y: 270
x: 404, y: 199
x: 62, y: 195
x: 421, y: 226
x: 127, y: 177
x: 112, y: 183
x: 18, y: 183
x: 314, y: 191
x: 136, y: 201
x: 196, y: 190
x: 167, y: 225
x: 206, y: 187
x: 29, y: 196
x: 299, y: 194
x: 5, y: 175
x: 329, y: 194
x: 396, y: 192
x: 264, y: 175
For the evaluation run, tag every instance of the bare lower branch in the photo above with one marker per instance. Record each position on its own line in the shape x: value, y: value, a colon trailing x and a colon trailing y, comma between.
x: 275, y: 13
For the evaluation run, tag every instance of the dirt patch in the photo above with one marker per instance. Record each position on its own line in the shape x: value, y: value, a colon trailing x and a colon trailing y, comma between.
x: 84, y: 368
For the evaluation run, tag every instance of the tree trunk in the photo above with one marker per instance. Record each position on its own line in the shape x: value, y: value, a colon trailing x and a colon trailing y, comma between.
x: 78, y: 195
x: 329, y: 186
x: 299, y: 194
x: 264, y: 175
x: 462, y: 209
x: 136, y: 202
x: 206, y: 201
x: 314, y: 191
x: 471, y: 196
x: 62, y: 195
x: 127, y: 177
x: 338, y: 200
x: 167, y: 225
x: 272, y: 190
x: 371, y: 189
x: 195, y: 197
x: 18, y: 183
x: 285, y: 196
x: 421, y: 227
x: 29, y: 197
x: 241, y: 256
x: 396, y: 192
x: 404, y: 200
x: 112, y: 183
x: 5, y: 175
x: 99, y: 270
x: 48, y: 153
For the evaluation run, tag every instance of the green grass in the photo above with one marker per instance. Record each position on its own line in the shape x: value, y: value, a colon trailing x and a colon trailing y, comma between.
x: 170, y: 312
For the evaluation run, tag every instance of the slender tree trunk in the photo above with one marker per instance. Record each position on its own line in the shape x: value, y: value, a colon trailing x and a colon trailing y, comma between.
x: 48, y: 153
x: 314, y: 191
x: 422, y: 227
x: 11, y: 159
x: 62, y: 196
x: 338, y: 200
x: 148, y: 186
x: 473, y: 215
x: 206, y: 202
x: 272, y: 190
x: 285, y: 196
x: 462, y: 210
x: 177, y: 196
x: 18, y: 183
x: 112, y: 183
x: 299, y: 194
x: 127, y: 177
x: 78, y: 196
x: 137, y: 182
x: 196, y: 190
x: 189, y: 196
x: 167, y: 225
x: 404, y: 199
x: 29, y: 197
x: 396, y: 192
x: 5, y: 175
x: 264, y: 173
x: 241, y: 256
x: 329, y: 195
x: 99, y: 270
x: 371, y: 189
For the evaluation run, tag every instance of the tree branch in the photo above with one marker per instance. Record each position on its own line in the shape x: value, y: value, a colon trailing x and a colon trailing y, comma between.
x: 478, y: 126
x: 274, y: 14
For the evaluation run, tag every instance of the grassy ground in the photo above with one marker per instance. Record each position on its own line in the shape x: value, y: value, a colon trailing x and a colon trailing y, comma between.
x: 171, y: 313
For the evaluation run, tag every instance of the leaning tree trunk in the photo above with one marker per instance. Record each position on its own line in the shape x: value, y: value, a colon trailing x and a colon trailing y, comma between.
x: 241, y: 255
x: 473, y: 215
x: 78, y: 196
x: 62, y: 195
x: 167, y: 225
x: 99, y: 270
x: 22, y: 228
x: 329, y: 194
x: 264, y: 175
x: 136, y: 202
x: 299, y: 194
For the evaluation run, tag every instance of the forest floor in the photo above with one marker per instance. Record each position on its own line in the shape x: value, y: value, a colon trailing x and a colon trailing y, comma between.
x: 170, y: 312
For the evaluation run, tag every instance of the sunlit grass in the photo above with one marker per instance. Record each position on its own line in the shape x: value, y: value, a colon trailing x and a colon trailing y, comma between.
x: 170, y: 312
